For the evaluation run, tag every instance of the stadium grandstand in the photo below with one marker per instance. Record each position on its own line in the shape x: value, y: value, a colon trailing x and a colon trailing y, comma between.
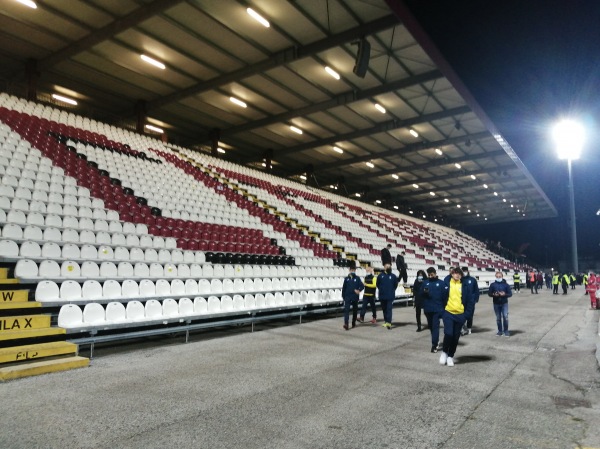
x: 230, y: 183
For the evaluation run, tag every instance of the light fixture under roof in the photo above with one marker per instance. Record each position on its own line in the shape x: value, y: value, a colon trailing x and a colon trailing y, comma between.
x: 357, y: 195
x: 29, y: 3
x: 469, y: 210
x: 264, y: 164
x: 457, y: 165
x: 153, y: 62
x: 413, y: 133
x: 256, y: 16
x: 378, y: 201
x: 396, y: 207
x: 221, y: 150
x: 495, y: 193
x: 473, y: 177
x: 478, y: 215
x: 504, y: 200
x: 380, y: 108
x: 338, y: 150
x: 512, y: 205
x: 238, y: 102
x: 410, y: 212
x: 303, y: 178
x: 446, y: 200
x: 370, y: 164
x: 416, y: 186
x: 332, y: 186
x: 458, y: 205
x: 424, y: 216
x: 432, y: 193
x: 438, y: 151
x: 156, y: 129
x: 295, y: 129
x: 332, y: 72
x: 485, y: 186
x: 395, y: 176
x: 64, y: 99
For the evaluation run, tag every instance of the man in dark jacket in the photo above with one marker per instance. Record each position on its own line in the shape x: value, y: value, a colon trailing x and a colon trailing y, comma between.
x: 435, y: 294
x: 386, y: 256
x: 401, y: 266
x: 472, y: 283
x: 500, y: 292
x: 350, y: 291
x: 387, y: 282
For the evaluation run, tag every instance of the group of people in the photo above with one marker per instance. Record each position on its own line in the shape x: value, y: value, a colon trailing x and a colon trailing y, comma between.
x: 535, y: 281
x: 450, y: 300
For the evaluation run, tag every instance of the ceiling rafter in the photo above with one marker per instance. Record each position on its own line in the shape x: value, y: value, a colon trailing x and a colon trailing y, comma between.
x: 380, y: 128
x: 285, y: 56
x: 97, y: 36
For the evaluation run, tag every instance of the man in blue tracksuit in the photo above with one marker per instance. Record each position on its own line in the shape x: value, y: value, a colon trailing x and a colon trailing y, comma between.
x: 387, y: 282
x: 435, y: 293
x: 350, y: 291
x: 500, y: 292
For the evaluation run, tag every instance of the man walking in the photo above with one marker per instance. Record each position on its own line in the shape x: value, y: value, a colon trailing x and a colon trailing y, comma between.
x: 350, y: 291
x: 369, y: 296
x: 473, y: 288
x: 500, y: 292
x: 435, y: 294
x: 402, y: 266
x: 387, y: 282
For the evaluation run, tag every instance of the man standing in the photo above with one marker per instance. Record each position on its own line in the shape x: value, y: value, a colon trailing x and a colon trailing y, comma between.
x: 473, y: 286
x: 369, y: 296
x: 517, y: 281
x: 401, y: 266
x: 387, y: 282
x: 350, y: 291
x: 555, y: 282
x: 500, y: 292
x: 435, y: 294
x: 386, y: 256
x: 533, y: 282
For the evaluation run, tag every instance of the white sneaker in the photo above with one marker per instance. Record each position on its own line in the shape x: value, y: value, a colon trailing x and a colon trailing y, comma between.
x: 450, y: 362
x: 443, y: 358
x: 468, y: 331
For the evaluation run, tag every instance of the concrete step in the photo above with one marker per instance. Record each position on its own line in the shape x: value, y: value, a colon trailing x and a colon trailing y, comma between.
x: 31, y: 333
x: 42, y: 367
x: 36, y: 351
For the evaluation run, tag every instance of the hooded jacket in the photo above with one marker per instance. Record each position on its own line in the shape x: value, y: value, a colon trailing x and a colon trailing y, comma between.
x: 497, y: 287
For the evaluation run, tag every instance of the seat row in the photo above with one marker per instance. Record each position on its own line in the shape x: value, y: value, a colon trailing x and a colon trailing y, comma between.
x: 95, y: 315
x: 20, y: 204
x: 129, y: 289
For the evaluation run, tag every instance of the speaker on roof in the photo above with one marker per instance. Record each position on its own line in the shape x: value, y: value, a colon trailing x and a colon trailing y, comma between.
x: 362, y: 58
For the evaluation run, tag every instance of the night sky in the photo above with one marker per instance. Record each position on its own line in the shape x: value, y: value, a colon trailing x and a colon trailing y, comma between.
x: 529, y: 63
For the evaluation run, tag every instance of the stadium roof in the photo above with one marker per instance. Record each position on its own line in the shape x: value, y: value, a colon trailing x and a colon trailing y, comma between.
x: 407, y: 133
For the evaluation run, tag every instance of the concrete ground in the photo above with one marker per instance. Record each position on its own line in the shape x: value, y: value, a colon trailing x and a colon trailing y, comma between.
x: 317, y: 386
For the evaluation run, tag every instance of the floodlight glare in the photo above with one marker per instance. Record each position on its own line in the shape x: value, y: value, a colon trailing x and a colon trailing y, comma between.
x: 569, y: 137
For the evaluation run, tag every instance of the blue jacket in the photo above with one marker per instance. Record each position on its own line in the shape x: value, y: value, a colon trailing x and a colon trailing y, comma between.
x: 496, y: 287
x: 435, y: 295
x: 387, y: 284
x: 351, y: 282
x: 470, y: 280
x: 468, y: 295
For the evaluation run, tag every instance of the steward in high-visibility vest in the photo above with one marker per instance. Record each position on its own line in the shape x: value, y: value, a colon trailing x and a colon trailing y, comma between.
x: 555, y: 282
x: 573, y: 281
x: 517, y: 281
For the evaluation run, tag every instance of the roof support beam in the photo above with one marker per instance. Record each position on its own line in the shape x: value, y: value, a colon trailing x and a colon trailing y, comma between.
x: 481, y: 171
x: 96, y: 36
x: 278, y: 59
x: 408, y: 149
x: 337, y: 100
x: 390, y: 125
x: 436, y: 163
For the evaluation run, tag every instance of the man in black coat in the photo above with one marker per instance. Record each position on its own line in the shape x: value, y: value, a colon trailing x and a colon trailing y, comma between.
x: 386, y: 256
x: 401, y: 266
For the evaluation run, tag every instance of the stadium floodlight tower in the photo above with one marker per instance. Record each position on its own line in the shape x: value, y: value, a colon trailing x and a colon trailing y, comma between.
x: 569, y: 137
